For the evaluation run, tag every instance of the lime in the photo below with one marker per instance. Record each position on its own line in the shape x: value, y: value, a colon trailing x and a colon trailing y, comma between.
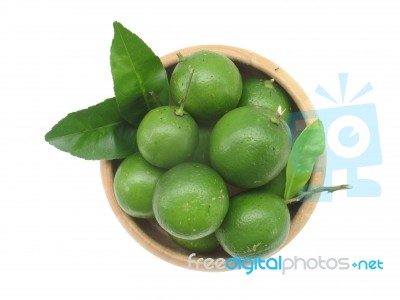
x: 249, y: 146
x: 266, y: 93
x: 205, y: 244
x: 277, y: 185
x: 208, y: 84
x: 256, y: 224
x: 190, y: 201
x: 201, y: 153
x: 166, y: 138
x: 134, y: 185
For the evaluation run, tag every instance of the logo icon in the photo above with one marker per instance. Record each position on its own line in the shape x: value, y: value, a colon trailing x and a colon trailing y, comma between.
x: 352, y: 136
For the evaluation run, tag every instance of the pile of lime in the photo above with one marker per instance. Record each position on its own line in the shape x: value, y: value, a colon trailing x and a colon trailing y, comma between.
x: 220, y: 132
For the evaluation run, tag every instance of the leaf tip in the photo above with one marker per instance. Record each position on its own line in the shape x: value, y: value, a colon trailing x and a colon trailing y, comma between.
x: 116, y: 24
x: 49, y: 135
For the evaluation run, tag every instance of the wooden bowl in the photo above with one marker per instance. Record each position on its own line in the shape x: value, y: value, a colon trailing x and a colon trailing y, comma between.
x: 147, y: 232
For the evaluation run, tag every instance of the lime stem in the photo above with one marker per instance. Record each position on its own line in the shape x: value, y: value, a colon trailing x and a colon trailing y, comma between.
x: 179, y: 111
x: 180, y: 56
x: 187, y: 87
x: 329, y: 189
x: 278, y: 115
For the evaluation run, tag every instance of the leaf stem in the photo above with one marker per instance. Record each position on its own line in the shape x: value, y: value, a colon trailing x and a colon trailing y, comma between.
x: 155, y: 99
x: 329, y: 189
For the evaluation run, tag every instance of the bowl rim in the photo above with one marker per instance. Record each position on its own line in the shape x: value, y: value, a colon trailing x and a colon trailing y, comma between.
x: 302, y: 101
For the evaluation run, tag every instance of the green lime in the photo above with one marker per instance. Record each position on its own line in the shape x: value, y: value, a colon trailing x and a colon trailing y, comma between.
x: 277, y: 185
x: 201, y: 153
x: 249, y: 146
x: 208, y: 83
x: 256, y: 224
x: 190, y: 201
x: 266, y: 93
x: 166, y: 138
x: 205, y: 244
x: 134, y: 185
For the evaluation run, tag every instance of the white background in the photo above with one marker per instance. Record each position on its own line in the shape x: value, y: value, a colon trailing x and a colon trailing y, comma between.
x: 58, y: 236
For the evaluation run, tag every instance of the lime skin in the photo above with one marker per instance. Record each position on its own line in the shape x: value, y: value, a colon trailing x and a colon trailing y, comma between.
x: 276, y: 185
x: 207, y: 83
x: 266, y: 93
x: 190, y: 201
x: 205, y: 244
x: 201, y: 153
x: 134, y: 183
x: 249, y: 146
x: 167, y: 136
x: 256, y: 224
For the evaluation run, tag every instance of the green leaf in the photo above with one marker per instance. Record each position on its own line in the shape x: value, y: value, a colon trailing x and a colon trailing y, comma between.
x: 309, y: 145
x: 98, y: 132
x: 140, y: 80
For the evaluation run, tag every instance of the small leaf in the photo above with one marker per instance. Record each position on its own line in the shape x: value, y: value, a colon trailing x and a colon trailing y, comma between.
x: 98, y: 132
x: 306, y: 149
x: 140, y: 80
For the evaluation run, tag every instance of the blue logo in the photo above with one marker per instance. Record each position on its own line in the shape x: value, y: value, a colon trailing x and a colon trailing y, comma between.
x: 352, y: 138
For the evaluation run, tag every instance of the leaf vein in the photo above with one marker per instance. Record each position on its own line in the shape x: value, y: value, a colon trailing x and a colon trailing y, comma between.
x: 138, y: 78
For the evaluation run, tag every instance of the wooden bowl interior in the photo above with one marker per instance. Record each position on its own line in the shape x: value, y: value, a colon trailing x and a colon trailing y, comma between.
x: 147, y: 232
